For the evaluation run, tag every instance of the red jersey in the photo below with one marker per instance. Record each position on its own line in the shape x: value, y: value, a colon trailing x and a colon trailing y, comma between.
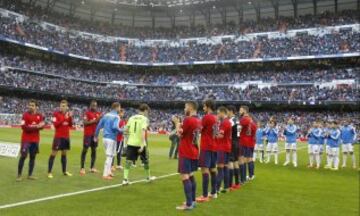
x: 89, y: 130
x: 188, y: 147
x: 30, y: 134
x: 120, y: 136
x: 62, y: 124
x: 208, y: 132
x: 248, y: 131
x: 224, y: 143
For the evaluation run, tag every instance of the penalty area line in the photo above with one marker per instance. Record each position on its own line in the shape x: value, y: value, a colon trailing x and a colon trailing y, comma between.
x: 78, y: 192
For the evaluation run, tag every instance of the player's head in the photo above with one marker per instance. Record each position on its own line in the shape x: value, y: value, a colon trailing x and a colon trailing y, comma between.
x: 231, y: 110
x: 116, y: 106
x: 209, y: 105
x: 258, y: 123
x: 64, y: 106
x: 174, y: 118
x: 93, y: 105
x: 346, y: 122
x: 190, y: 108
x: 291, y: 121
x: 222, y: 112
x: 32, y: 106
x: 144, y: 108
x: 334, y: 124
x: 315, y: 124
x: 122, y: 112
x: 244, y: 110
x: 272, y: 123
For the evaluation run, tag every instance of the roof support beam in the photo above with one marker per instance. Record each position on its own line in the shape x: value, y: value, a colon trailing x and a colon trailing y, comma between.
x: 257, y: 11
x: 240, y: 10
x: 336, y: 5
x: 92, y: 12
x: 295, y: 5
x: 275, y: 4
x: 315, y: 7
x: 223, y: 13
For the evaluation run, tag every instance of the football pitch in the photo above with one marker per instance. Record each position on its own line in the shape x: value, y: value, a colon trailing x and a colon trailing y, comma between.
x: 276, y: 190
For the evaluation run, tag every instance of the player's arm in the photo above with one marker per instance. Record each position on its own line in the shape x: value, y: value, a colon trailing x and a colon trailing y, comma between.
x: 26, y: 126
x: 144, y: 127
x: 355, y: 134
x: 56, y: 121
x: 116, y: 125
x: 86, y: 120
x: 41, y: 124
x: 98, y: 128
x: 335, y: 135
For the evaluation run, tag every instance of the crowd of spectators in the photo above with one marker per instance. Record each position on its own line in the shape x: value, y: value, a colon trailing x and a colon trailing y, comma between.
x: 336, y: 42
x: 281, y: 93
x: 164, y: 77
x: 160, y: 119
x: 38, y: 13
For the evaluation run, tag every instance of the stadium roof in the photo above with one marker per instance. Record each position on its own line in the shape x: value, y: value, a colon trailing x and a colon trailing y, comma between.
x: 179, y: 12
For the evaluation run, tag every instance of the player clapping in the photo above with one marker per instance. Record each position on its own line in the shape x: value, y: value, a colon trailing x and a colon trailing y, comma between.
x: 290, y: 133
x: 272, y: 133
x: 62, y: 121
x: 314, y: 135
x: 31, y: 124
x: 91, y: 119
x: 189, y: 132
x: 334, y: 144
x: 348, y: 138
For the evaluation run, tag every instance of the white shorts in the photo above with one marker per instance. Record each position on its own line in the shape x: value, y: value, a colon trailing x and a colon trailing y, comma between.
x: 327, y: 149
x: 321, y: 148
x: 347, y: 147
x: 259, y: 147
x: 313, y: 149
x: 272, y: 147
x: 290, y: 146
x: 334, y: 151
x: 110, y: 146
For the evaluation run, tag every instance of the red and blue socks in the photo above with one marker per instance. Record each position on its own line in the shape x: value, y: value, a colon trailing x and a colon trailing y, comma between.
x: 188, y: 191
x: 205, y: 184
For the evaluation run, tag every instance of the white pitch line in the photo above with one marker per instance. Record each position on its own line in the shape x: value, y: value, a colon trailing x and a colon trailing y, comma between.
x: 89, y: 190
x: 78, y: 192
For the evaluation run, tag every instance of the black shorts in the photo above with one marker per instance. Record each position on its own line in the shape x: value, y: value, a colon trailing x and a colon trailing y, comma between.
x: 234, y: 154
x: 29, y: 147
x: 132, y: 154
x: 89, y: 142
x: 61, y: 144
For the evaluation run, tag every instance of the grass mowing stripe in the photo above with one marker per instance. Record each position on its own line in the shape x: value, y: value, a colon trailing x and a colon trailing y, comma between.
x: 91, y: 190
x: 78, y: 192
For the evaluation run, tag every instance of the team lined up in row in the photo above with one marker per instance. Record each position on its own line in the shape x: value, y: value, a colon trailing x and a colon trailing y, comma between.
x: 319, y: 135
x: 112, y: 124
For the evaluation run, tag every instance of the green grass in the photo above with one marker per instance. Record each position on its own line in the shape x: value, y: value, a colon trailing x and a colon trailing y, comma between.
x: 277, y: 190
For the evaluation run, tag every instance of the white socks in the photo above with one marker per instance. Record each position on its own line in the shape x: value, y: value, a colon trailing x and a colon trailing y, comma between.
x: 344, y: 159
x: 294, y: 157
x: 276, y: 157
x: 287, y: 157
x: 311, y: 159
x: 317, y: 159
x: 107, y: 165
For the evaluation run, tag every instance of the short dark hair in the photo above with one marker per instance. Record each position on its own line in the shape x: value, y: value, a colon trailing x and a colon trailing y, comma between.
x: 193, y: 104
x: 115, y: 105
x: 64, y: 101
x: 231, y: 108
x: 34, y: 102
x: 144, y: 107
x: 222, y: 109
x: 93, y: 101
x: 210, y: 104
x: 246, y: 108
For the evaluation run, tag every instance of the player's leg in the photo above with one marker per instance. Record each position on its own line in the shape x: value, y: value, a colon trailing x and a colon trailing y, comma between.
x: 344, y: 148
x: 317, y: 156
x: 268, y: 152
x: 220, y: 176
x: 255, y: 153
x: 204, y: 162
x: 34, y: 149
x: 51, y: 162
x: 226, y: 173
x: 311, y: 156
x: 64, y: 147
x: 110, y: 146
x: 177, y: 140
x: 352, y: 155
x: 287, y: 153
x: 251, y: 164
x: 275, y: 152
x: 144, y: 156
x: 131, y: 156
x: 187, y: 184
x: 86, y: 144
x: 93, y: 148
x: 336, y: 158
x: 213, y: 174
x: 294, y: 154
x: 172, y: 147
x: 24, y: 152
